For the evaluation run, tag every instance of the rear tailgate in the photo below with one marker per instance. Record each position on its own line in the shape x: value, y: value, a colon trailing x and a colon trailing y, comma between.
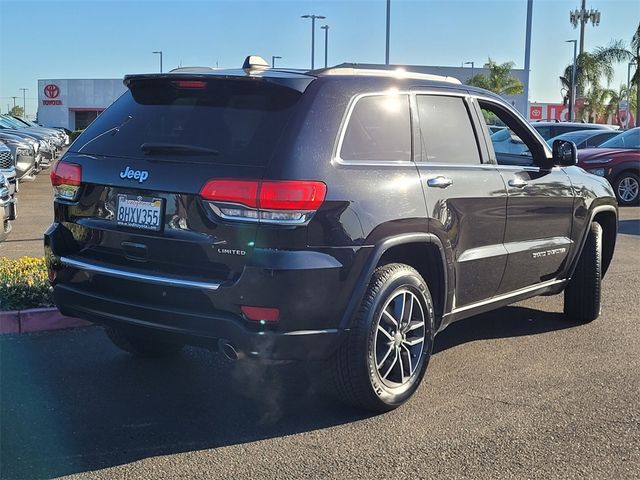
x: 145, y: 160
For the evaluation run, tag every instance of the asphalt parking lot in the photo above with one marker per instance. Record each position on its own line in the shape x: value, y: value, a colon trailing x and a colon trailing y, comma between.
x: 516, y: 393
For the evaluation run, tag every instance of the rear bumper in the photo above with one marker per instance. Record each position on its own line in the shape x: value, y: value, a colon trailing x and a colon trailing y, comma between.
x: 197, y: 329
x: 307, y: 287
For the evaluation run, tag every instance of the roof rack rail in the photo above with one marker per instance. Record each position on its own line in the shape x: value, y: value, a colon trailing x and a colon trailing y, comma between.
x: 382, y: 71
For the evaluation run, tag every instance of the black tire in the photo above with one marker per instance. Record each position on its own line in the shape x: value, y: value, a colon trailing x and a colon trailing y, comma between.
x: 141, y: 345
x: 582, y: 296
x: 631, y: 182
x: 355, y: 368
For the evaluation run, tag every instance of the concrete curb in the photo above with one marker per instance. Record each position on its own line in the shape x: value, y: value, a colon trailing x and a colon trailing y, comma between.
x: 37, y: 320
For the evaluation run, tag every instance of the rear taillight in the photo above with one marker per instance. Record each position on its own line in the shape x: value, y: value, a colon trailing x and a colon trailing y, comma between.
x: 284, y: 201
x: 66, y: 179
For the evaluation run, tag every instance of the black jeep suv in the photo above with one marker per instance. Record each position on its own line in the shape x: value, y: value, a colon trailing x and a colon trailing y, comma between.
x: 338, y: 214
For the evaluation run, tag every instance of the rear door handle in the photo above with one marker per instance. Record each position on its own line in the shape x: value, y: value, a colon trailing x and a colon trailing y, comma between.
x: 517, y: 183
x: 440, y: 182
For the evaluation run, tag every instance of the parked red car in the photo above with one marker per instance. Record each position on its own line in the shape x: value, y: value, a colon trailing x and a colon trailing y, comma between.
x: 618, y: 160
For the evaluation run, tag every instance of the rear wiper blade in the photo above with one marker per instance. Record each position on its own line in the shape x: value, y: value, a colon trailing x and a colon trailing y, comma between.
x: 176, y: 148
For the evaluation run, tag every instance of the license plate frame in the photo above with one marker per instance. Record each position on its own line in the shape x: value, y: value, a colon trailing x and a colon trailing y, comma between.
x: 138, y: 211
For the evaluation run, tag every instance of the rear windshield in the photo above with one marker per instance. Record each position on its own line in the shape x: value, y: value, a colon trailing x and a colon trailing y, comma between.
x: 231, y: 122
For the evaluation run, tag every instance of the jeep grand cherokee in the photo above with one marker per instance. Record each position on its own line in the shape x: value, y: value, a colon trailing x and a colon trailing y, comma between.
x: 340, y: 214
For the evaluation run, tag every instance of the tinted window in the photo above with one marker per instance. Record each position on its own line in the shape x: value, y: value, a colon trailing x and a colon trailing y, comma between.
x: 628, y: 139
x: 241, y: 121
x: 446, y: 134
x: 598, y: 139
x: 379, y: 129
x: 545, y: 132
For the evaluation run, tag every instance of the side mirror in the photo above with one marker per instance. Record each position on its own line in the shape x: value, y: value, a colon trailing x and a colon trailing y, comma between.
x: 565, y: 154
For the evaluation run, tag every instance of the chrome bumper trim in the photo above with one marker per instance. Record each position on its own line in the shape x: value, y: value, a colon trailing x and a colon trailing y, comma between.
x: 157, y: 280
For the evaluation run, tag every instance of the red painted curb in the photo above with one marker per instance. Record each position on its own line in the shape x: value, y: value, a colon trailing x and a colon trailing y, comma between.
x: 37, y: 320
x: 9, y: 322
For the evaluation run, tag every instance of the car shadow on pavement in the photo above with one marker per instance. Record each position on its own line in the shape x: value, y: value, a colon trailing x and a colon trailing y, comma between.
x: 71, y: 402
x: 512, y: 321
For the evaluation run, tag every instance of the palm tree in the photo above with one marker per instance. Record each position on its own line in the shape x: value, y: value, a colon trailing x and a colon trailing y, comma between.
x: 499, y: 81
x: 599, y: 103
x: 592, y: 68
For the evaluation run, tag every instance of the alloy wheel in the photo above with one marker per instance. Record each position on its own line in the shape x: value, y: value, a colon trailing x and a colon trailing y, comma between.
x: 399, y: 339
x: 628, y: 189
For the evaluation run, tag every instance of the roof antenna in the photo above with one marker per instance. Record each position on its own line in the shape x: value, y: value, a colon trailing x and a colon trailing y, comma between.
x: 253, y: 63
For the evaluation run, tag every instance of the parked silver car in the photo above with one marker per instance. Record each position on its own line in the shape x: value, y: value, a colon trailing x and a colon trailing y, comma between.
x: 24, y: 157
x: 7, y: 208
x: 8, y: 168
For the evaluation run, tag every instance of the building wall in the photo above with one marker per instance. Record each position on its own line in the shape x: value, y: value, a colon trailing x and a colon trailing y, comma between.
x: 58, y: 99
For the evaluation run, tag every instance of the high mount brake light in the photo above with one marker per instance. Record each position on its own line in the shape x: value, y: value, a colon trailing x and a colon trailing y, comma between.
x: 66, y: 179
x: 281, y: 201
x: 189, y: 84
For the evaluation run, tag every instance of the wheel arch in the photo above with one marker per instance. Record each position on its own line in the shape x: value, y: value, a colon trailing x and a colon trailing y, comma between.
x: 608, y: 220
x: 422, y: 251
x: 607, y: 217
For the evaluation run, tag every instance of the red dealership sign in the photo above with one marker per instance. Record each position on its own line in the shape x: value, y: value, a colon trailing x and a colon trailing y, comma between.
x: 560, y: 112
x: 51, y: 91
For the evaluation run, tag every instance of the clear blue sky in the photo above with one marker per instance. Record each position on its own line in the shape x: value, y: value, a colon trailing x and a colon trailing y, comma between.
x: 107, y: 39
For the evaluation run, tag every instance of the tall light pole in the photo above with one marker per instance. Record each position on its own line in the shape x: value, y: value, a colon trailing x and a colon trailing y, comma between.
x: 582, y: 17
x: 160, y: 53
x: 326, y: 43
x: 313, y: 35
x: 14, y: 101
x: 572, y: 95
x: 273, y: 60
x: 386, y: 52
x: 527, y: 57
x: 24, y: 102
x: 472, y: 66
x: 628, y: 122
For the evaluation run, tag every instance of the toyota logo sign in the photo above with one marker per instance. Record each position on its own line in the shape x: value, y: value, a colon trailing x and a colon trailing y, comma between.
x: 51, y: 91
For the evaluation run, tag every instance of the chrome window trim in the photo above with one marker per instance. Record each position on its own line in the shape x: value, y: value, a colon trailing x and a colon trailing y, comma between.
x: 129, y: 275
x: 336, y: 158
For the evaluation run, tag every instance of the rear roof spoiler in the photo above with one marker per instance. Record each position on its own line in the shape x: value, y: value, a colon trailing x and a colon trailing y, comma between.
x: 289, y: 80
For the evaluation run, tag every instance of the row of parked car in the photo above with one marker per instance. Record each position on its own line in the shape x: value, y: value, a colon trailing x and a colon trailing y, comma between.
x: 26, y: 149
x: 603, y: 150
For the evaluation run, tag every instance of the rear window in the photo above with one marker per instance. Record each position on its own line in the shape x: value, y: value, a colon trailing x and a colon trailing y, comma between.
x: 240, y: 120
x: 379, y: 129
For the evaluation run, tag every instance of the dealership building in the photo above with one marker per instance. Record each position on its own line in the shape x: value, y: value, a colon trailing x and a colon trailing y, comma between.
x: 75, y: 103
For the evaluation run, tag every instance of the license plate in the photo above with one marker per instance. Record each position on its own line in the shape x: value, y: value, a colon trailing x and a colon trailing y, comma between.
x: 139, y: 212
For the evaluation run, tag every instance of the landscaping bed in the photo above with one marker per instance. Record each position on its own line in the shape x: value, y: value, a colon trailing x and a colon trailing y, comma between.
x: 26, y: 301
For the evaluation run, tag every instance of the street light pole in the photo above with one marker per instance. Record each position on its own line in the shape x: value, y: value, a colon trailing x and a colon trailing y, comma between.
x: 313, y: 35
x: 273, y: 60
x: 472, y: 66
x: 572, y: 95
x: 159, y: 52
x: 386, y: 55
x: 628, y: 122
x: 14, y: 101
x: 326, y: 43
x: 24, y: 102
x: 527, y: 57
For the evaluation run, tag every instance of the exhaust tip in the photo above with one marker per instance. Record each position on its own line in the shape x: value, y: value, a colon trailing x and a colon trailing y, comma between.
x: 228, y: 350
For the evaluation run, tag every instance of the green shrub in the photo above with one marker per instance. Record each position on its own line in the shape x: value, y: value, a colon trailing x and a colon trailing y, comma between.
x: 75, y: 134
x: 24, y: 284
